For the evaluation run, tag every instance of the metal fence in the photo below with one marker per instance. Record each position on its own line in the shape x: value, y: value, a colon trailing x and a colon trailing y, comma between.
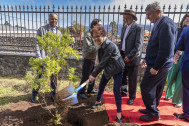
x: 18, y: 24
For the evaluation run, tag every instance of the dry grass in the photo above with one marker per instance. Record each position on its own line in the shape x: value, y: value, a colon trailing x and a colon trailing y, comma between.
x: 13, y: 90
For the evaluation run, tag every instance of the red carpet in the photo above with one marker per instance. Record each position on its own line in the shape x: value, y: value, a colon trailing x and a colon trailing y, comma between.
x: 132, y: 114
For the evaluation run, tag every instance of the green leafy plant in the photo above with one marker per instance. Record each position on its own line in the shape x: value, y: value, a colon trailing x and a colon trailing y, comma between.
x: 58, y: 119
x: 72, y: 77
x: 58, y: 50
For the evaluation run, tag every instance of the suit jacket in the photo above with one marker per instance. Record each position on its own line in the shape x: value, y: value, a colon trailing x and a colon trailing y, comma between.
x: 109, y: 59
x: 89, y: 47
x: 41, y: 31
x: 133, y: 43
x: 183, y: 45
x: 160, y: 49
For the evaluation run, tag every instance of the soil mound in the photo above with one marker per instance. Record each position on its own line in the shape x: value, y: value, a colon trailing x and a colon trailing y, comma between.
x: 25, y: 113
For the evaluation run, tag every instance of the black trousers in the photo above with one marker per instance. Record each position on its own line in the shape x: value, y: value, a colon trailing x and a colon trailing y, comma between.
x: 185, y: 95
x: 53, y: 85
x: 130, y: 80
x: 87, y: 68
x: 152, y: 89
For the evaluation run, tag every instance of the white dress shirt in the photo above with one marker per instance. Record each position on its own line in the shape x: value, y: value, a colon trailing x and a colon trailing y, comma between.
x: 53, y: 30
x: 125, y: 35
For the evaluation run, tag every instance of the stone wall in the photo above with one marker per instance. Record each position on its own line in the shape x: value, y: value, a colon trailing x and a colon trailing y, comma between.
x: 16, y: 66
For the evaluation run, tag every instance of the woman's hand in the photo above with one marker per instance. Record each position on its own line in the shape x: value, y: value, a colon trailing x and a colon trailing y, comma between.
x: 91, y: 78
x: 143, y: 65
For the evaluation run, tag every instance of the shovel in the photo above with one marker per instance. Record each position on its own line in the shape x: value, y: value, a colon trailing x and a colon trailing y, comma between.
x: 70, y: 95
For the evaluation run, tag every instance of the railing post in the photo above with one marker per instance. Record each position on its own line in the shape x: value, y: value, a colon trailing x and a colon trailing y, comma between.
x: 15, y: 21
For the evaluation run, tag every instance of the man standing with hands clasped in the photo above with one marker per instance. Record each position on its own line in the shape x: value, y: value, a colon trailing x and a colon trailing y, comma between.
x: 132, y: 38
x: 158, y: 60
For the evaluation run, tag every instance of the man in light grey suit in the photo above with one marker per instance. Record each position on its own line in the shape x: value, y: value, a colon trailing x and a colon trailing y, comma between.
x: 132, y: 38
x: 52, y: 26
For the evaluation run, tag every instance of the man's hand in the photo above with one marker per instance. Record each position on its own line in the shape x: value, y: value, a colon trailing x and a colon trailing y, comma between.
x: 153, y: 72
x: 126, y: 59
x: 118, y: 43
x: 143, y: 65
x: 177, y: 56
x: 91, y: 78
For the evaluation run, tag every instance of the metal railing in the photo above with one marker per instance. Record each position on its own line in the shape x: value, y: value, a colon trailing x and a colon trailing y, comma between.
x: 18, y: 24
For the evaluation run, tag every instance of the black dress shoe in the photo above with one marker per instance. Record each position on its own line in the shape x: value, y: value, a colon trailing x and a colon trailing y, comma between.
x: 177, y: 105
x: 179, y: 116
x: 167, y: 99
x: 93, y: 92
x: 96, y: 105
x: 33, y: 99
x: 144, y: 111
x: 82, y: 95
x: 130, y: 102
x: 149, y: 118
x: 124, y: 93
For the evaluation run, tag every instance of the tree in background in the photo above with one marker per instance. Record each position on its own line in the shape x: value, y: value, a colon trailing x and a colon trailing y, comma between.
x: 62, y: 30
x: 113, y: 28
x: 77, y: 29
x: 20, y: 26
x: 7, y: 23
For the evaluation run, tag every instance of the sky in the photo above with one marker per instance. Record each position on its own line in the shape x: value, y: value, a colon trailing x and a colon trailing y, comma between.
x: 87, y: 3
x: 91, y: 2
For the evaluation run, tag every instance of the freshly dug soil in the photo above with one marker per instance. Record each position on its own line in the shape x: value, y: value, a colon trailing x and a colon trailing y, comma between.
x: 25, y: 113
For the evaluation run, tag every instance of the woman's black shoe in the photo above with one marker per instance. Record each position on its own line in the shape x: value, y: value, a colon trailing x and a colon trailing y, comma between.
x: 167, y: 99
x: 96, y: 105
x: 119, y: 120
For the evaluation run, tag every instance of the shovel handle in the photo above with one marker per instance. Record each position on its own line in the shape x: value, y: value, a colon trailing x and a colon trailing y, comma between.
x: 82, y: 85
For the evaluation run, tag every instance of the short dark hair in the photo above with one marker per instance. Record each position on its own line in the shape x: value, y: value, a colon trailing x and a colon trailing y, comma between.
x: 100, y: 29
x: 94, y: 22
x: 186, y: 15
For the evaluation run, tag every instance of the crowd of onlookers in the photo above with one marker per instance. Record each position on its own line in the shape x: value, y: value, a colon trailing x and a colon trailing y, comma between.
x: 167, y: 55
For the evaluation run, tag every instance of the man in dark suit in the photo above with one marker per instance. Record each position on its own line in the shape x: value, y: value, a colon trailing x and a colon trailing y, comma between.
x: 132, y: 38
x: 158, y: 60
x: 183, y: 45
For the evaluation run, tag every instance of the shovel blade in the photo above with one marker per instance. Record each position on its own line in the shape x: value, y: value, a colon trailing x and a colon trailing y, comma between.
x: 67, y: 91
x: 71, y: 100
